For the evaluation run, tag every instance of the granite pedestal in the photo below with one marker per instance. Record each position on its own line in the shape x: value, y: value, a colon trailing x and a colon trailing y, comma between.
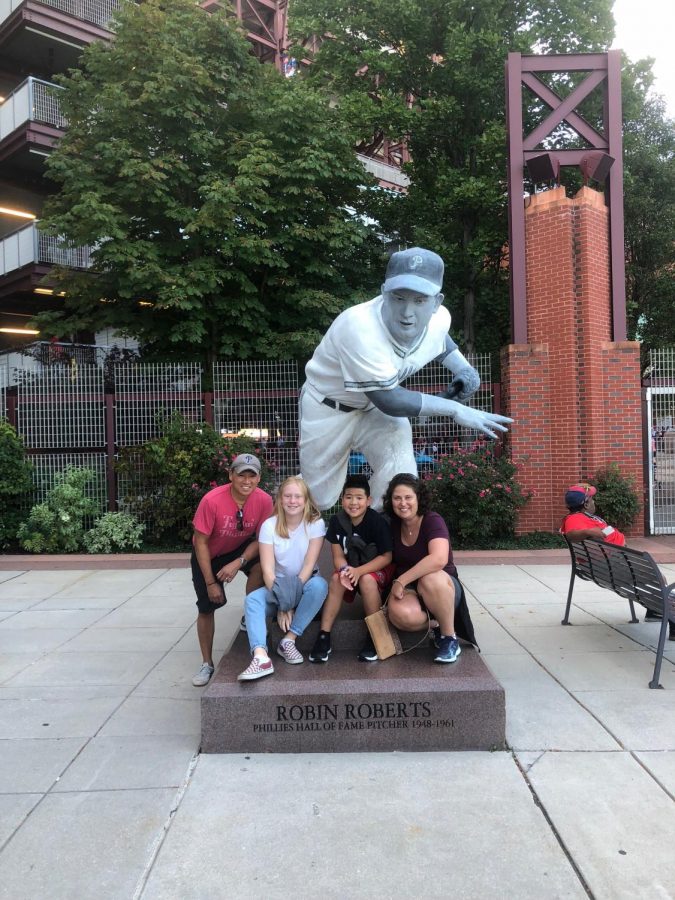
x: 407, y: 702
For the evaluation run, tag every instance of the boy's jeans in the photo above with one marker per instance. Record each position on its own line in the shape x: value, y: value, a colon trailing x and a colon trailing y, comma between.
x: 260, y: 604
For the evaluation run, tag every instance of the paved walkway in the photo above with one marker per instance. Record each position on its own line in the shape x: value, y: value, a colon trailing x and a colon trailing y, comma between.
x: 103, y: 793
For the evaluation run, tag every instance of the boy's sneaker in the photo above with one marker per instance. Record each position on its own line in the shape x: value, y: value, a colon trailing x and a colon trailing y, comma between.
x: 448, y: 650
x: 290, y: 652
x: 203, y: 676
x: 368, y: 652
x: 242, y: 624
x: 321, y: 649
x: 257, y: 668
x: 435, y: 636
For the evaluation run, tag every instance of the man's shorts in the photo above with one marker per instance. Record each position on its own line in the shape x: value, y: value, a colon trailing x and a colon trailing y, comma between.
x: 204, y: 605
x: 383, y: 578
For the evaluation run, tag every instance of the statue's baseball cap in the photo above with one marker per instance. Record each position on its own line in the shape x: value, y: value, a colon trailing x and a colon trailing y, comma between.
x: 245, y: 462
x: 576, y: 494
x: 415, y: 269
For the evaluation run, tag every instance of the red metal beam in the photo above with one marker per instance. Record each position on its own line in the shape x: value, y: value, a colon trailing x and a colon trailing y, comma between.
x: 605, y: 71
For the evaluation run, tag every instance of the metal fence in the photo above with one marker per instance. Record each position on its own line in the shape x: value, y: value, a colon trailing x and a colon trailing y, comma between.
x: 147, y: 393
x: 661, y: 441
x: 260, y: 400
x: 62, y: 408
x: 97, y: 11
x: 73, y: 406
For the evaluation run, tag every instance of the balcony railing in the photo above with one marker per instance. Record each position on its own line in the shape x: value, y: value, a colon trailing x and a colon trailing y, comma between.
x: 28, y: 245
x: 99, y: 12
x: 33, y: 100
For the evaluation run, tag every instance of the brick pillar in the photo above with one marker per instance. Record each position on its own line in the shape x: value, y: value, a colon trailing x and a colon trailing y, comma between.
x: 574, y: 394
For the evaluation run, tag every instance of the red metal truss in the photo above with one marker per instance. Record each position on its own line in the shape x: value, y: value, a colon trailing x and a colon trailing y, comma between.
x: 603, y: 73
x: 265, y: 22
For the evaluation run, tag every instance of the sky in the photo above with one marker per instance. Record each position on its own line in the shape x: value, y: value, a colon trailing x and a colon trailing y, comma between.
x: 646, y: 28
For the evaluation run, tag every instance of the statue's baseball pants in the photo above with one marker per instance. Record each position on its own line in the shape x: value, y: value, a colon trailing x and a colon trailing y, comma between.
x: 327, y: 437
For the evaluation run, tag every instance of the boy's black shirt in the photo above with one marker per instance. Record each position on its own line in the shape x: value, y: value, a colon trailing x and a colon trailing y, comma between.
x: 372, y: 529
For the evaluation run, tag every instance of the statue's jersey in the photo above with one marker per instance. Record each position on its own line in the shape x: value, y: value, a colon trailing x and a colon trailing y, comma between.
x: 358, y: 354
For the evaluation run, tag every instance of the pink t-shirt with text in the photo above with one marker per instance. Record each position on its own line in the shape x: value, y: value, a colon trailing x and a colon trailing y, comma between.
x: 216, y: 516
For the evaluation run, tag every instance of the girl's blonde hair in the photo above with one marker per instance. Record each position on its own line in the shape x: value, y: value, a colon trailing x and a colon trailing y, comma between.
x: 310, y: 512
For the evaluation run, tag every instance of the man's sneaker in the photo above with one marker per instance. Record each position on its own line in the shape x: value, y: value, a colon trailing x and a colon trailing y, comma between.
x: 203, y: 676
x: 257, y: 668
x: 435, y: 637
x: 368, y: 652
x: 290, y: 652
x: 242, y: 624
x: 448, y: 650
x: 321, y: 649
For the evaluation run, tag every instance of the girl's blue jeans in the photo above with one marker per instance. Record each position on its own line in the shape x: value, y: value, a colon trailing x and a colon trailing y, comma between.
x: 260, y: 605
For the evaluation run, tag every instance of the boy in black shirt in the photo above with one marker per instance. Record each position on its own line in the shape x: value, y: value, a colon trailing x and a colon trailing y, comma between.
x: 361, y: 544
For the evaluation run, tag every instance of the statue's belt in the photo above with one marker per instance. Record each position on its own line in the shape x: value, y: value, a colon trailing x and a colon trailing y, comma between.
x: 339, y: 406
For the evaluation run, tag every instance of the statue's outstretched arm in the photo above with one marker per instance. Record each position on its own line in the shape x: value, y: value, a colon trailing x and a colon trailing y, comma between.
x: 402, y: 402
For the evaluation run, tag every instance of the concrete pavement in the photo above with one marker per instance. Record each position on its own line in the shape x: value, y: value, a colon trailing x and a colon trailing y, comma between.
x: 103, y: 792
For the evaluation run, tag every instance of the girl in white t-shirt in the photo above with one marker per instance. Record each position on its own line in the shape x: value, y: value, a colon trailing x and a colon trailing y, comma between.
x: 289, y: 546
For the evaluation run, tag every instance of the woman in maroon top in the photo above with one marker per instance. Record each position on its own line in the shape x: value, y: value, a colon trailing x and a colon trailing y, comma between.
x: 425, y: 575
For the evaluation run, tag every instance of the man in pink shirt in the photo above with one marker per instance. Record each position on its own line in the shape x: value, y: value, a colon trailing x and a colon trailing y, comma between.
x: 225, y: 541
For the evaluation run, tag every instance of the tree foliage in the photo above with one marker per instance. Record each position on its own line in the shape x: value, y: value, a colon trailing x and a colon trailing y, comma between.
x: 649, y: 176
x: 15, y: 482
x: 433, y: 72
x: 221, y: 199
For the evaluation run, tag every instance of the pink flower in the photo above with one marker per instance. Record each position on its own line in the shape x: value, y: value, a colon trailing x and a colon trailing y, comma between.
x: 460, y: 471
x: 507, y: 489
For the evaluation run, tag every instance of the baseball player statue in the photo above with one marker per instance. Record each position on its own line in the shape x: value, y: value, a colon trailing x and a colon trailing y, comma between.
x: 352, y: 398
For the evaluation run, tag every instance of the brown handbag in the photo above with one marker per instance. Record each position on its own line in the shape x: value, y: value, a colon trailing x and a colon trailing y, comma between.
x: 385, y: 637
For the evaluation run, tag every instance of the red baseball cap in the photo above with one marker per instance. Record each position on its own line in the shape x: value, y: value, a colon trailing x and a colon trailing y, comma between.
x: 576, y: 494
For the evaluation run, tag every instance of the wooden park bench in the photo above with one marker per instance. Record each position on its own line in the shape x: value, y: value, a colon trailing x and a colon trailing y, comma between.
x: 631, y: 574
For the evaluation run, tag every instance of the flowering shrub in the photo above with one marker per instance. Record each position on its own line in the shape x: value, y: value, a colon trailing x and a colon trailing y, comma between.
x: 58, y: 524
x: 114, y: 532
x: 478, y: 496
x: 163, y: 480
x: 15, y: 482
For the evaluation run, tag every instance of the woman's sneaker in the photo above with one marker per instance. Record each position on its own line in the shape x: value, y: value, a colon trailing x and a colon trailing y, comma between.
x: 290, y: 652
x: 321, y: 649
x: 368, y: 652
x: 448, y: 650
x: 257, y: 668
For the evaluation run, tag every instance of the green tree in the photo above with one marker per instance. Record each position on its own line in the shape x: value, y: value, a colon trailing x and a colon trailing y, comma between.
x: 649, y: 176
x: 15, y: 482
x: 434, y: 71
x: 222, y: 200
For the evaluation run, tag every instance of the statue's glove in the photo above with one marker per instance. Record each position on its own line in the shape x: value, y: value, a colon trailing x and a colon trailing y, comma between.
x: 464, y: 385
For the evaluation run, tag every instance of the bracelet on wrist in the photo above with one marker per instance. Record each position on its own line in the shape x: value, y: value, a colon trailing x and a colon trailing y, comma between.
x: 342, y: 569
x: 211, y: 583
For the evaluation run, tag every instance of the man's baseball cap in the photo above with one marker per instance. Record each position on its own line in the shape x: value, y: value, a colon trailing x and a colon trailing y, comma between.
x: 244, y: 462
x: 416, y: 269
x: 576, y: 494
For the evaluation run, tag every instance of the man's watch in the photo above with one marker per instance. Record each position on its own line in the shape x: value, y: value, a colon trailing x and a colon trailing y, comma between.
x: 242, y: 561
